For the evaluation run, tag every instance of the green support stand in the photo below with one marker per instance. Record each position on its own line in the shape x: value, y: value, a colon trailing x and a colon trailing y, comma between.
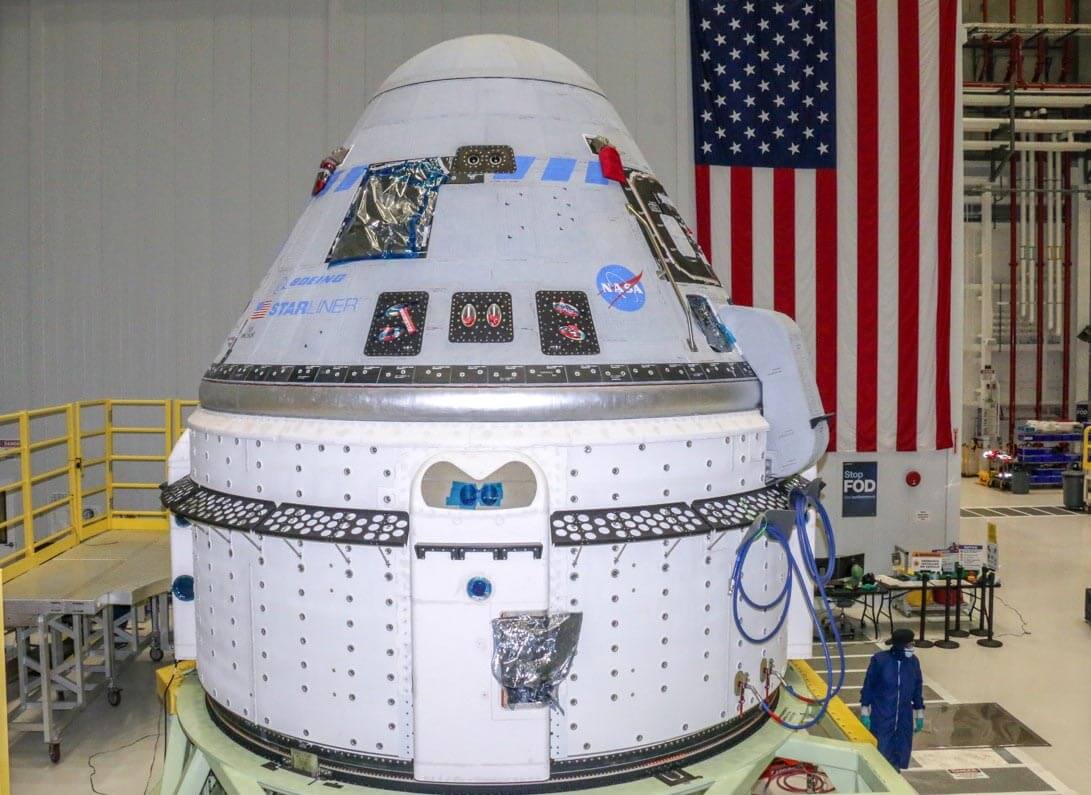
x: 196, y: 749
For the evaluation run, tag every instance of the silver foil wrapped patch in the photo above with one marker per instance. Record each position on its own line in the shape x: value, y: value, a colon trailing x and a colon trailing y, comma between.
x: 532, y: 653
x: 391, y: 214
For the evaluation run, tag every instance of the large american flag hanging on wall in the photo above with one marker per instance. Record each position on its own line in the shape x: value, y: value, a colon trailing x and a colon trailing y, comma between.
x: 825, y: 143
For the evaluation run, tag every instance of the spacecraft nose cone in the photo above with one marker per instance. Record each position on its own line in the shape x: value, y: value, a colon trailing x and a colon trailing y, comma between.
x: 489, y: 55
x: 467, y: 235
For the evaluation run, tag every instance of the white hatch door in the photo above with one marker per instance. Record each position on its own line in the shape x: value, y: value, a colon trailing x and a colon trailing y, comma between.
x: 469, y: 566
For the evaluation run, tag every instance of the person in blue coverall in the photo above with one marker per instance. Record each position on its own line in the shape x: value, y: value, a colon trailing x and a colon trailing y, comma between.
x: 891, y: 702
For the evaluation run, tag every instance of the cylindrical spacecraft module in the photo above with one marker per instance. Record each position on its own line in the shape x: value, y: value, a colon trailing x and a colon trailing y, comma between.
x: 468, y: 477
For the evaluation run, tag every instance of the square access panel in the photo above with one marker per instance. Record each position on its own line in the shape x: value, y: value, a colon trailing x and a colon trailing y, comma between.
x: 397, y: 327
x: 481, y: 317
x: 565, y: 325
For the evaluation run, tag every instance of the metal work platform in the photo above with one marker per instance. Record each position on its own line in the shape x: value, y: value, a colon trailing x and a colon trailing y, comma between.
x: 77, y: 617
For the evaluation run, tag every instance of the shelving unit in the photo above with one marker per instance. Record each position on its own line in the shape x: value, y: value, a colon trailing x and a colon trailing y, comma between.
x: 1046, y: 454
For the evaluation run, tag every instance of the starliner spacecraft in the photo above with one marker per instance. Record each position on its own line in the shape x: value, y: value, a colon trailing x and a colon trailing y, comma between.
x: 463, y: 499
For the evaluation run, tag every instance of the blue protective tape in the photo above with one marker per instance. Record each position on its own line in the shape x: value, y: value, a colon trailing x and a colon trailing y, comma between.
x: 463, y: 495
x: 558, y: 169
x: 491, y: 495
x: 353, y: 176
x: 470, y: 496
x: 727, y: 333
x: 522, y: 166
x: 384, y: 255
x: 594, y: 174
x: 436, y: 177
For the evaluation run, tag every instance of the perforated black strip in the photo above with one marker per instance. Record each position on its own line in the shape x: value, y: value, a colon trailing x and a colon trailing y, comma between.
x: 343, y: 525
x: 739, y: 510
x: 391, y: 528
x: 641, y: 523
x: 673, y: 520
x: 288, y: 520
x: 199, y: 504
x: 178, y: 490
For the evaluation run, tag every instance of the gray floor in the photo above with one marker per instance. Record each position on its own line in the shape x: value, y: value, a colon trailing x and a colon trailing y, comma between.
x: 121, y: 739
x: 1015, y: 719
x: 1040, y: 675
x: 965, y: 748
x: 1041, y: 679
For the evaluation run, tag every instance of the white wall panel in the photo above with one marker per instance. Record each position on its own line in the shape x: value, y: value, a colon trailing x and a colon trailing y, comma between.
x: 15, y: 271
x: 153, y: 156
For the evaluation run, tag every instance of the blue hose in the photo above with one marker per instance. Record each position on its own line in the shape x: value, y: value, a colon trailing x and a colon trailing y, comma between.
x: 800, y: 502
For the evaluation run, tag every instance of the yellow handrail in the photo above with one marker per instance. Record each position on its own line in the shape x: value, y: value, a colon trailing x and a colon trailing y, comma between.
x: 36, y: 451
x: 49, y: 411
x: 178, y: 424
x: 39, y: 464
x: 49, y: 475
x: 5, y: 769
x: 27, y: 492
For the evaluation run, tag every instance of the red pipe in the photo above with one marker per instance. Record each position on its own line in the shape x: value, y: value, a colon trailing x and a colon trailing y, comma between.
x: 1039, y: 287
x: 1015, y: 70
x: 1015, y: 74
x: 1013, y: 267
x: 1009, y: 75
x: 1066, y: 52
x: 1040, y: 69
x: 986, y: 74
x: 1066, y: 310
x: 987, y: 60
x: 1066, y: 214
x: 1036, y: 86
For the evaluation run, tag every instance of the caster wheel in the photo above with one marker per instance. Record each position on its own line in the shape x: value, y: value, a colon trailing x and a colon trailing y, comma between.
x: 54, y: 752
x: 156, y: 655
x: 113, y: 696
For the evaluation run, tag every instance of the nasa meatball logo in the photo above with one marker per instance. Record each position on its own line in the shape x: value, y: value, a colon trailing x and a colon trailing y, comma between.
x: 620, y: 288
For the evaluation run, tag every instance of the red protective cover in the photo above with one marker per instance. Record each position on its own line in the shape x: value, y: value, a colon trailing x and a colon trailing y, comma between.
x: 610, y: 164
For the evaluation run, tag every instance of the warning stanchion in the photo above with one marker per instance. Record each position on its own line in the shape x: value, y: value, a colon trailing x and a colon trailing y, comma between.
x: 979, y: 599
x: 958, y: 631
x: 946, y: 643
x: 989, y: 641
x: 921, y: 642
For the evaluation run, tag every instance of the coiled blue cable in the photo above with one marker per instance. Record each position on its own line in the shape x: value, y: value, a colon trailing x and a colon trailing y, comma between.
x: 800, y: 502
